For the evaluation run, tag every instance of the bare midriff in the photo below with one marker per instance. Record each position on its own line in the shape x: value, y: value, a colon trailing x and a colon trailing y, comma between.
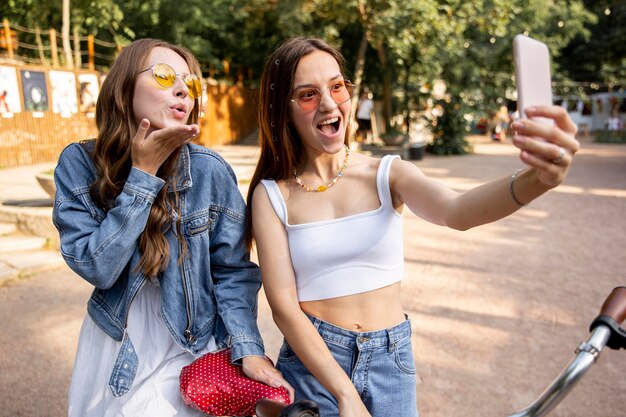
x: 365, y: 312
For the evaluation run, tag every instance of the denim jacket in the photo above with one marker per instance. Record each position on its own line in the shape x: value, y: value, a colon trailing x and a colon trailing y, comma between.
x: 213, y: 292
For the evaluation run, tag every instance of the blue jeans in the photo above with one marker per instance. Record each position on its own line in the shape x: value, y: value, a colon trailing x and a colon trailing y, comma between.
x: 380, y: 365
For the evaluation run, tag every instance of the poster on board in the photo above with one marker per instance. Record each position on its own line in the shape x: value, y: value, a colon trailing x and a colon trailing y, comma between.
x: 64, y: 99
x: 34, y: 90
x: 9, y: 91
x: 88, y: 92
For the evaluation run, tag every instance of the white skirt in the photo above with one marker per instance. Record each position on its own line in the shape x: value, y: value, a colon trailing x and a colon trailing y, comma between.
x: 155, y: 391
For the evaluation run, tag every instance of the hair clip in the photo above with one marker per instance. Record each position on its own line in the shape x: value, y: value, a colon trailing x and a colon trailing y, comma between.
x: 274, y: 138
x: 272, y: 124
x: 272, y: 86
x: 276, y: 62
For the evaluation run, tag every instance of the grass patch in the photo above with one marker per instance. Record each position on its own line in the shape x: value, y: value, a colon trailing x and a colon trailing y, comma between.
x: 606, y: 136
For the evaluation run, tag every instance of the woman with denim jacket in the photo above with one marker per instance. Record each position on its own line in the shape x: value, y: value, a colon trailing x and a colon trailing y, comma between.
x: 328, y: 230
x: 156, y: 225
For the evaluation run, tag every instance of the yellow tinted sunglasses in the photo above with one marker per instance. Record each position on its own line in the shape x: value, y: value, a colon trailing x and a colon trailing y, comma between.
x: 165, y: 76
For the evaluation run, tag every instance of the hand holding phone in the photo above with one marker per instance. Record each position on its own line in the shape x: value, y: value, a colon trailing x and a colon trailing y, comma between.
x: 532, y: 75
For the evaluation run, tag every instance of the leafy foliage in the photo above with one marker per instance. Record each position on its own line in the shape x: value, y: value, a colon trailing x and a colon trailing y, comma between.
x: 409, y: 45
x: 449, y: 129
x: 599, y: 54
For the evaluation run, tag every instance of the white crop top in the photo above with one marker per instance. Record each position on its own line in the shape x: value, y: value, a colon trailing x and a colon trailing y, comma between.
x: 348, y: 255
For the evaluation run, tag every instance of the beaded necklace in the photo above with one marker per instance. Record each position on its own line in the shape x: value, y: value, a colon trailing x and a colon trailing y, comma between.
x: 330, y: 184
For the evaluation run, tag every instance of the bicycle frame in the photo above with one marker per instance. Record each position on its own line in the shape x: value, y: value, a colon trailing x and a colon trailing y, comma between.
x: 588, y: 352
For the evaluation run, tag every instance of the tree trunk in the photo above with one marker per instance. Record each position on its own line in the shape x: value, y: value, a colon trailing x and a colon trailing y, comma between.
x: 405, y: 99
x: 77, y: 58
x: 358, y: 72
x: 387, y: 99
x: 360, y: 58
x: 65, y: 35
x: 42, y: 56
x: 408, y: 66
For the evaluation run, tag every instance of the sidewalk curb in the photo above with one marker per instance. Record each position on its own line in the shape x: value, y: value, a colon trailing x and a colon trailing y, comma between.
x: 32, y: 220
x: 19, y: 265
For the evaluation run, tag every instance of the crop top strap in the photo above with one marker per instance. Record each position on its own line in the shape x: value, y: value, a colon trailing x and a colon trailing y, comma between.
x: 382, y: 180
x: 276, y: 198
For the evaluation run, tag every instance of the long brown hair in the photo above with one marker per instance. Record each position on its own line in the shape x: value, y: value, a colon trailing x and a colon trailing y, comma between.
x: 116, y: 124
x: 281, y: 147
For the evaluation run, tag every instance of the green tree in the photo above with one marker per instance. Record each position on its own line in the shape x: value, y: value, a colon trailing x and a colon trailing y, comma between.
x: 599, y: 55
x: 397, y: 48
x: 103, y: 19
x: 468, y: 44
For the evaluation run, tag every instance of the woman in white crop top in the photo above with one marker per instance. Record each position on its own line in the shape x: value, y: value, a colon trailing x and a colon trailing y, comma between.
x: 328, y: 230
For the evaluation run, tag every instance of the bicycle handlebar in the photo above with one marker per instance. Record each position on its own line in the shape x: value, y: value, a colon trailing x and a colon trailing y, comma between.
x: 605, y: 331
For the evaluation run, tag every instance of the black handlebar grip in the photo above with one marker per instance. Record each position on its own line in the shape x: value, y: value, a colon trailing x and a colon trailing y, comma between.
x: 615, y: 305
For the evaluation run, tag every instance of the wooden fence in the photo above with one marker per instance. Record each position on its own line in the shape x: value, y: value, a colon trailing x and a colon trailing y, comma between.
x: 230, y: 115
x: 25, y: 139
x: 28, y: 137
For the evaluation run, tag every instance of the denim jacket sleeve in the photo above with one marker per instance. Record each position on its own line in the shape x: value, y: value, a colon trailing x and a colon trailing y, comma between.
x: 95, y: 245
x: 237, y: 280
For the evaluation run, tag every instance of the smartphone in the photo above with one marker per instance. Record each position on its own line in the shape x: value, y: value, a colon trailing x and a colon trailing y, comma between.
x: 532, y: 74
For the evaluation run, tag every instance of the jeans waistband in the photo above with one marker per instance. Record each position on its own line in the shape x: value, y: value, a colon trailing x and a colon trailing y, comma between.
x: 390, y: 338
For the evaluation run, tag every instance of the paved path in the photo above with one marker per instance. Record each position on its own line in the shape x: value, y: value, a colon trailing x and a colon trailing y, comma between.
x: 497, y: 311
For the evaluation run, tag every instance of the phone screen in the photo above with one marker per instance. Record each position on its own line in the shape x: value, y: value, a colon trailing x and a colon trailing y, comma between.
x: 532, y: 74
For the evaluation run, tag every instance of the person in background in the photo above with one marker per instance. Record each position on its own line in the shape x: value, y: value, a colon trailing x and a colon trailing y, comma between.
x: 155, y: 224
x: 364, y: 116
x: 613, y: 123
x: 328, y: 230
x: 502, y: 123
x: 4, y: 103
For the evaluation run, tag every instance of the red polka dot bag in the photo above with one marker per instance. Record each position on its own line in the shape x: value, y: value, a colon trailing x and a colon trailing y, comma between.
x: 214, y: 385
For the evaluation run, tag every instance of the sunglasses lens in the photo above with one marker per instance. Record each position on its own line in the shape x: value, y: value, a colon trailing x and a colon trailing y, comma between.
x: 341, y: 91
x: 308, y: 106
x: 164, y: 75
x: 193, y: 85
x: 311, y: 104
